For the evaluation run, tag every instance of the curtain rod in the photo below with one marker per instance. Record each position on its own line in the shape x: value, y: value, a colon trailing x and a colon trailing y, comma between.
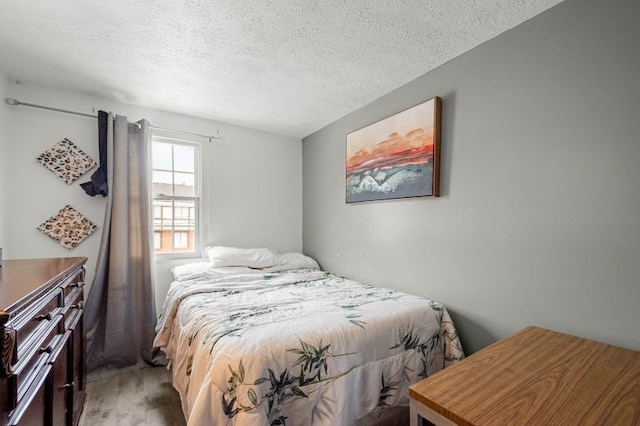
x: 12, y: 101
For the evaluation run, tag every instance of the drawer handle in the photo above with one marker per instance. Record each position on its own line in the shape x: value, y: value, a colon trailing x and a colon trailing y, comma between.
x: 45, y: 350
x: 78, y: 284
x: 43, y: 317
x: 78, y: 305
x: 68, y: 385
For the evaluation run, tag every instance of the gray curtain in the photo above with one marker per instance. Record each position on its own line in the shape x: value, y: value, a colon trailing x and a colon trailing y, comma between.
x: 120, y: 312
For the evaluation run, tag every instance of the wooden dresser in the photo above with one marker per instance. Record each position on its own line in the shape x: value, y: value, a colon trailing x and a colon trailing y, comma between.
x: 42, y: 370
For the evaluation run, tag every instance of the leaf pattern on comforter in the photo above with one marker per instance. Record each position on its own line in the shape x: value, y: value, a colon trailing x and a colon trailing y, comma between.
x: 284, y: 387
x: 298, y: 347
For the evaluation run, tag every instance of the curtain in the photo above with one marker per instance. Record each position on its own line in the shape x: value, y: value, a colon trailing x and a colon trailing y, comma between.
x: 120, y: 312
x: 98, y: 183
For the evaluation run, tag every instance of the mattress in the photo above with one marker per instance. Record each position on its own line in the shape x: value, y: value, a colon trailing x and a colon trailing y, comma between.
x: 297, y: 347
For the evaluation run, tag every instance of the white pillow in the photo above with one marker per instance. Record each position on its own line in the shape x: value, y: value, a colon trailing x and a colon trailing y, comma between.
x: 293, y: 261
x: 203, y: 270
x: 250, y: 257
x: 184, y: 272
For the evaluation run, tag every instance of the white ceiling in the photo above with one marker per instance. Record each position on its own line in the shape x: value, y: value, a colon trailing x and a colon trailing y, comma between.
x: 285, y: 66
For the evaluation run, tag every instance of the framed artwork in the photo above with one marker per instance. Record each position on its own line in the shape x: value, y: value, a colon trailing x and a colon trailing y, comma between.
x: 397, y: 157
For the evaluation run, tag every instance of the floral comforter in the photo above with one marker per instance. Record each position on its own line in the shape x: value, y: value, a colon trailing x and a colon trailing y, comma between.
x: 300, y: 347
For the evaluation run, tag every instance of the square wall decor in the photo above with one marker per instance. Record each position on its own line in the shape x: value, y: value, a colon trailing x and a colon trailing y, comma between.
x: 68, y: 227
x: 66, y: 161
x: 397, y: 157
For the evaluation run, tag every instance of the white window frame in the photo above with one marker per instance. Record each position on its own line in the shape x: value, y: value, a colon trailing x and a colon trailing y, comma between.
x: 158, y: 136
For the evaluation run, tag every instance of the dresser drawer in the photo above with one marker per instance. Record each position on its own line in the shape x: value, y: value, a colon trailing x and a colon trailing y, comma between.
x: 71, y: 285
x: 35, y: 356
x: 34, y: 320
x: 73, y: 304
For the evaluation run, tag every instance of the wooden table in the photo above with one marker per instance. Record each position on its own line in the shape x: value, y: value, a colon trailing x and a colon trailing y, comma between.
x: 535, y: 376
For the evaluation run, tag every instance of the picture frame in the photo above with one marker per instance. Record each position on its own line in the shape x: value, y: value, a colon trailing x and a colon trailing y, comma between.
x: 396, y: 157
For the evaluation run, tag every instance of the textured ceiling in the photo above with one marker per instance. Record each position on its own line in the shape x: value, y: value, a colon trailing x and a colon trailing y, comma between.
x: 286, y: 66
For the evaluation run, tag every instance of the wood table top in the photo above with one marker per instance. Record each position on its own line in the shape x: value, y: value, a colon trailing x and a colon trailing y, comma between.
x: 538, y: 376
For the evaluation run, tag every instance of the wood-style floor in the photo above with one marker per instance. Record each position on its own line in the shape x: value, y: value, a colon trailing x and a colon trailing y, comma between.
x: 140, y: 398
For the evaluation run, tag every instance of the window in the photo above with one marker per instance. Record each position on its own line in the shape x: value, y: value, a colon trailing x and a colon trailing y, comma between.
x: 176, y: 196
x: 180, y: 240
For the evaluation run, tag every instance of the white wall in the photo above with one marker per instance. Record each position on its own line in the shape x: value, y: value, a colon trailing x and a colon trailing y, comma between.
x: 539, y: 219
x: 33, y: 193
x: 5, y: 126
x: 254, y: 178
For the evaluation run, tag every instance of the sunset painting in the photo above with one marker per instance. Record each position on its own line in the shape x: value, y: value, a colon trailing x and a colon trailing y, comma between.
x: 397, y: 157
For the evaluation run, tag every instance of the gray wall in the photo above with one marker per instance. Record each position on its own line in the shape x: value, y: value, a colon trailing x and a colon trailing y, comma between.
x: 539, y: 219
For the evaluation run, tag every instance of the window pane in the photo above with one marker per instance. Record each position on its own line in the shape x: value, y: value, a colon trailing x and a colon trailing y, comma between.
x: 184, y: 184
x: 161, y: 208
x: 174, y: 226
x: 162, y: 183
x: 167, y: 210
x: 182, y: 221
x: 184, y: 158
x: 181, y: 240
x: 162, y: 155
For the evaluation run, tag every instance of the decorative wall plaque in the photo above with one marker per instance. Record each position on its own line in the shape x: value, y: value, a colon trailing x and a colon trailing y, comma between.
x: 66, y: 161
x: 68, y: 227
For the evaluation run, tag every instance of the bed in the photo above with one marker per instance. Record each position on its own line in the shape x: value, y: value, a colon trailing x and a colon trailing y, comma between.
x: 258, y: 338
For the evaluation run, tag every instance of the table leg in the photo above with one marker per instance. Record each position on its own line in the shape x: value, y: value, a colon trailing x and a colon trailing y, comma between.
x: 418, y: 411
